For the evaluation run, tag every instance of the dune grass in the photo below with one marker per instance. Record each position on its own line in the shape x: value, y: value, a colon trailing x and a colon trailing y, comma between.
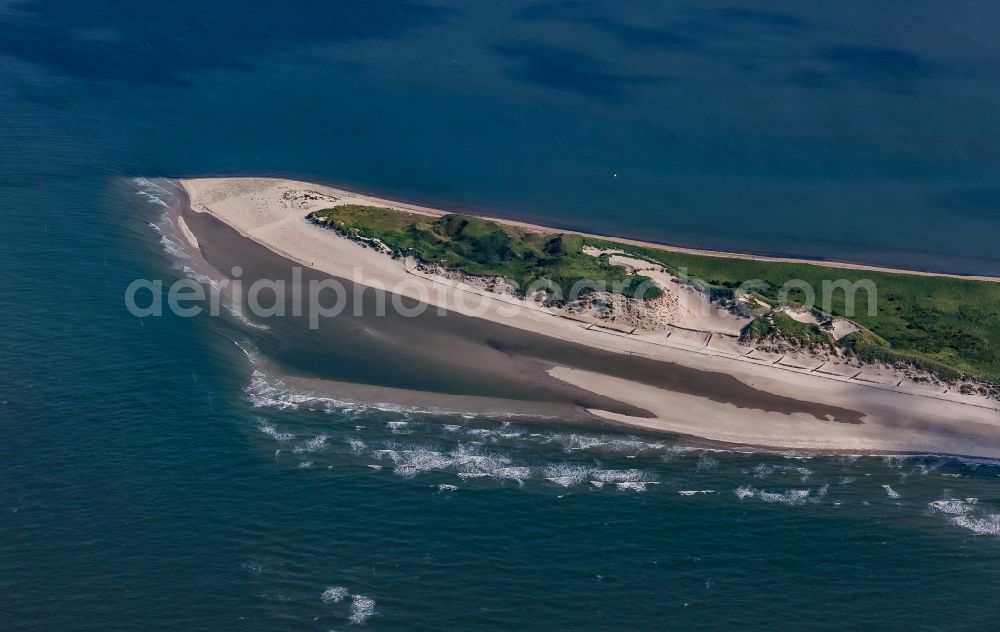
x: 944, y: 324
x: 941, y: 323
x: 483, y: 247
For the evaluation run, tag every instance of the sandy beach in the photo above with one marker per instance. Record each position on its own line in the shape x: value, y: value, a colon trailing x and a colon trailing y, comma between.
x: 878, y: 412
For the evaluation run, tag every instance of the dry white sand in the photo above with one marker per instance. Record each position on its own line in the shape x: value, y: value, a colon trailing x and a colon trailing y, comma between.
x: 801, y: 315
x: 841, y: 326
x: 691, y: 308
x: 272, y: 213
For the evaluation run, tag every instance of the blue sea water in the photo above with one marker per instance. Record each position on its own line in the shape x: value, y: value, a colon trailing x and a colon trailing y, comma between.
x: 149, y: 479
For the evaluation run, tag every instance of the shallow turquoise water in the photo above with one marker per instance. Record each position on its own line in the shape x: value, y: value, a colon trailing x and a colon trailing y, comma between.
x: 149, y: 480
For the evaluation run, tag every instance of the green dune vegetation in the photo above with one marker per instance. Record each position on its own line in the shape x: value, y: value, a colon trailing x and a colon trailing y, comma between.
x: 482, y: 247
x: 945, y: 325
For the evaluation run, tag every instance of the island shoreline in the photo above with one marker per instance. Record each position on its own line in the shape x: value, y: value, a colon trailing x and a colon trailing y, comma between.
x: 880, y: 406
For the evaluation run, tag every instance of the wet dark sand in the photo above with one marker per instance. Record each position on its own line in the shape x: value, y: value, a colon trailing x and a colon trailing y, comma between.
x: 452, y: 354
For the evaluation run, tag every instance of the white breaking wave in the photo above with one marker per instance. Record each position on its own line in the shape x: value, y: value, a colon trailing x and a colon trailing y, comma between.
x: 789, y: 497
x: 462, y: 460
x: 149, y: 186
x: 988, y: 524
x: 494, y: 434
x: 315, y: 444
x: 605, y: 444
x: 215, y: 288
x: 170, y: 246
x: 622, y: 476
x: 566, y: 474
x: 175, y: 247
x: 968, y: 514
x: 471, y: 461
x: 890, y: 492
x: 634, y: 486
x: 432, y: 447
x: 764, y: 470
x: 264, y: 393
x: 954, y: 507
x: 334, y: 594
x: 273, y: 432
x: 152, y: 199
x: 409, y: 463
x: 361, y: 608
x: 519, y: 474
x: 625, y: 480
x: 153, y: 192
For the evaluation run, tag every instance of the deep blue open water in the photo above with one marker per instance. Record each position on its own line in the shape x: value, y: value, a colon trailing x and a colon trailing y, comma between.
x: 150, y: 480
